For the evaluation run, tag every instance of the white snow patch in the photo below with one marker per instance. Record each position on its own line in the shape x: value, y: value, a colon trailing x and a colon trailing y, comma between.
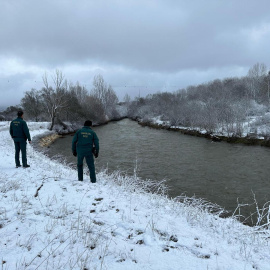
x: 49, y: 220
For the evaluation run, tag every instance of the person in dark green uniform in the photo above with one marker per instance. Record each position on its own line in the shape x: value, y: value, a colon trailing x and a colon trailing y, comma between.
x: 20, y: 133
x: 85, y: 144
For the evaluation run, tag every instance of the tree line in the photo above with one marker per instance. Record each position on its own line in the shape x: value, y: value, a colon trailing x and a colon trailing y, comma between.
x: 220, y: 105
x: 59, y: 102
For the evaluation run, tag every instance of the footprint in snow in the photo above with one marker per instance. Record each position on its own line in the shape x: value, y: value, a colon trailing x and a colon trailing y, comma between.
x: 99, y: 223
x: 139, y: 232
x: 140, y: 242
x: 167, y: 248
x: 174, y: 238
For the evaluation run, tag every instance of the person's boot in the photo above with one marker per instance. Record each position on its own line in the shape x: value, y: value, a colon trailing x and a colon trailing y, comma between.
x: 26, y: 166
x: 17, y: 166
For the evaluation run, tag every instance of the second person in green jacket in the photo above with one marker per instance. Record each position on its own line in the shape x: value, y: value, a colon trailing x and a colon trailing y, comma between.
x: 84, y: 142
x: 20, y: 133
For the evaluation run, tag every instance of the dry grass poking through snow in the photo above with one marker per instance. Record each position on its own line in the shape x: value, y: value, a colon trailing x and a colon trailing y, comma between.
x: 49, y: 220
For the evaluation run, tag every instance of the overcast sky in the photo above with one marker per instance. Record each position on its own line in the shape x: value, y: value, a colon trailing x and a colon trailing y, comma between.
x: 139, y: 46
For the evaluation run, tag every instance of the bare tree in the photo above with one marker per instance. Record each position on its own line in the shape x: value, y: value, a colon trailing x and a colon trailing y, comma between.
x: 10, y: 112
x: 256, y: 76
x: 127, y: 98
x: 32, y: 104
x: 54, y: 99
x: 93, y: 109
x: 79, y: 91
x: 268, y: 87
x: 100, y: 88
x: 105, y: 94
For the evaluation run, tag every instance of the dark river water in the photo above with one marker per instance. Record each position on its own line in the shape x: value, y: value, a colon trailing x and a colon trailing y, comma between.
x: 216, y: 171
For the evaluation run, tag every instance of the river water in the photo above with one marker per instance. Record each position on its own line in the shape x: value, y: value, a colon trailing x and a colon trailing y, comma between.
x: 216, y: 171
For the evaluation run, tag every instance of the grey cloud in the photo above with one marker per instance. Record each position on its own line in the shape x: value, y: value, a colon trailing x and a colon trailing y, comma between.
x: 137, y: 34
x: 160, y: 45
x: 12, y: 87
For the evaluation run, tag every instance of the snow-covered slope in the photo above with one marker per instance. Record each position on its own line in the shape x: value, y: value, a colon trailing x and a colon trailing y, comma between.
x: 49, y: 220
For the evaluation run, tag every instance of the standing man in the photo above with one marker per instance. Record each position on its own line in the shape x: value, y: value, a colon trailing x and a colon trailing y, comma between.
x: 85, y: 144
x: 20, y: 133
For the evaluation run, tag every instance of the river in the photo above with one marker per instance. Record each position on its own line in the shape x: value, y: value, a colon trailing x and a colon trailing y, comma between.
x: 216, y: 171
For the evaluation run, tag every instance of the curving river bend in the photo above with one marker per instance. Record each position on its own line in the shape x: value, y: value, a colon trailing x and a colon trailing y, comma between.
x: 219, y: 172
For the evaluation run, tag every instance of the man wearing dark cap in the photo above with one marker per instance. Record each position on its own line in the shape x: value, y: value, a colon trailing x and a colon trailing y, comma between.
x: 20, y: 133
x: 85, y: 144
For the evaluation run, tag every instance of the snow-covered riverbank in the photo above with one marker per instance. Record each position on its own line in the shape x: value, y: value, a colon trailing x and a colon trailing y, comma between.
x: 255, y: 131
x: 49, y: 220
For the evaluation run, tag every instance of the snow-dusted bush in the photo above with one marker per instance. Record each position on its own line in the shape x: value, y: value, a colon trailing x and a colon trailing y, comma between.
x: 255, y: 108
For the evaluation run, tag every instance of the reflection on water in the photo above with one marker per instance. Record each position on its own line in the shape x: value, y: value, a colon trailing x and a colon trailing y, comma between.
x: 219, y: 172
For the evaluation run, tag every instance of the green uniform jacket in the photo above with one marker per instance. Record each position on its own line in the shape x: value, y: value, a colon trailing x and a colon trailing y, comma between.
x: 84, y: 139
x: 19, y: 130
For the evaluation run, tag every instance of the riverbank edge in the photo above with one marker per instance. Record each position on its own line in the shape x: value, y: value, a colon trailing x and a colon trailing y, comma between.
x: 43, y: 142
x: 65, y: 132
x: 214, y: 137
x: 50, y: 137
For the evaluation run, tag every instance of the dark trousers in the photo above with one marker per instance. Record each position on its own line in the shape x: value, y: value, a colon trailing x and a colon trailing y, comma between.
x: 20, y: 146
x: 90, y: 163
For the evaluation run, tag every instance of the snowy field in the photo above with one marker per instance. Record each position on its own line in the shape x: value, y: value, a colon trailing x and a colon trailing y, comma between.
x: 49, y: 220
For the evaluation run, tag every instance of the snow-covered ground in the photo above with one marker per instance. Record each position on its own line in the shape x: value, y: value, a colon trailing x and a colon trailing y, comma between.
x: 49, y: 220
x: 254, y: 126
